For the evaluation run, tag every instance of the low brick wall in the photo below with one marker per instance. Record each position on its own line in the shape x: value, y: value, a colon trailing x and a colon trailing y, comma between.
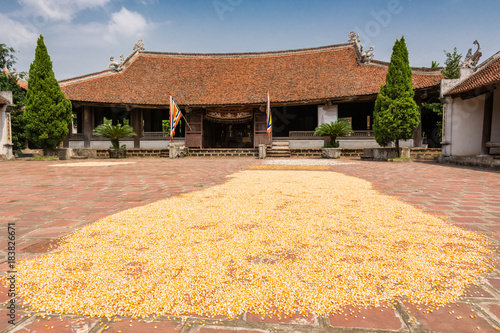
x: 351, y: 152
x: 223, y: 152
x: 425, y: 153
x: 103, y: 153
x: 311, y: 152
x: 416, y: 153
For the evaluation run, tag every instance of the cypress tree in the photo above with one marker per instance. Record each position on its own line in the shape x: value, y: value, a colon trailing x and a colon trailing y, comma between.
x: 47, y: 111
x: 396, y: 113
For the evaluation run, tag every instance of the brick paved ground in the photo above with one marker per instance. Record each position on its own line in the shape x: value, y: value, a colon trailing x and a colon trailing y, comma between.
x: 46, y: 202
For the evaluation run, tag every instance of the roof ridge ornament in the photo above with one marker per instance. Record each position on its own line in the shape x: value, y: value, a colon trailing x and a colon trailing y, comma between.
x: 471, y: 60
x: 139, y: 46
x: 116, y: 66
x: 363, y: 57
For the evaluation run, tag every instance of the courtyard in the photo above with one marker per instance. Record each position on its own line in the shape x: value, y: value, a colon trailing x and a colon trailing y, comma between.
x: 50, y: 199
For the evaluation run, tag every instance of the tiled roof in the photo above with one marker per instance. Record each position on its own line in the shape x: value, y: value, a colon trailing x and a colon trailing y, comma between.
x: 486, y: 74
x: 331, y: 72
x: 20, y: 83
x: 3, y: 101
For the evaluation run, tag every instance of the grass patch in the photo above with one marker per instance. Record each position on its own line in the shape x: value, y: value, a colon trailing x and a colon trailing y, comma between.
x: 43, y: 158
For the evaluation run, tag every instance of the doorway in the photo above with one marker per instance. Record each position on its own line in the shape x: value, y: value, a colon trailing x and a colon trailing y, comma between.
x: 228, y: 135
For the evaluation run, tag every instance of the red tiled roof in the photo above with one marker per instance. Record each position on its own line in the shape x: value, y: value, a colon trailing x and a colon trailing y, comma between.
x: 221, y: 79
x: 487, y: 73
x: 22, y: 84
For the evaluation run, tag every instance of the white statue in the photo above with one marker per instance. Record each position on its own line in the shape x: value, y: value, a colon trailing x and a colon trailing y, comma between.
x: 139, y: 46
x: 471, y: 60
x: 116, y: 66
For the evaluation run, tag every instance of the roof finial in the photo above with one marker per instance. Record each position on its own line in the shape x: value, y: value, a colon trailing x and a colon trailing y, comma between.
x: 139, y: 46
x: 363, y: 57
x: 471, y: 60
x: 116, y: 66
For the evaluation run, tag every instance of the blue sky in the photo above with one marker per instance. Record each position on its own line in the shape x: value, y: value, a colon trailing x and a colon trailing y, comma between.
x: 81, y: 35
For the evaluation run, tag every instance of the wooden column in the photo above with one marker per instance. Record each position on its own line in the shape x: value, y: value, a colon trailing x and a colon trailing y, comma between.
x: 487, y: 122
x: 417, y: 135
x: 146, y: 116
x: 66, y: 139
x: 88, y: 125
x: 136, y: 120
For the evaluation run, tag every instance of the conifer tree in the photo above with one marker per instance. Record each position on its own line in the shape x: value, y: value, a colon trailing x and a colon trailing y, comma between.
x: 47, y: 111
x: 452, y: 64
x: 396, y: 114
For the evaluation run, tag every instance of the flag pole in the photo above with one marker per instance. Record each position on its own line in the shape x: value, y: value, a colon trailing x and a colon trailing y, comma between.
x: 186, y: 122
x: 170, y: 116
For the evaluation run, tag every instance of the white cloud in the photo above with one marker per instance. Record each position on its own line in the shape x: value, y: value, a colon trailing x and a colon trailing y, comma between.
x: 17, y: 34
x: 59, y: 10
x: 147, y: 2
x: 126, y: 23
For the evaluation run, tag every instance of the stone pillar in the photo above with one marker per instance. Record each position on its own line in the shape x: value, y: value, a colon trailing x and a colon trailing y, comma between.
x: 88, y: 125
x: 262, y: 151
x: 487, y: 122
x: 327, y: 113
x: 177, y: 151
x: 447, y: 126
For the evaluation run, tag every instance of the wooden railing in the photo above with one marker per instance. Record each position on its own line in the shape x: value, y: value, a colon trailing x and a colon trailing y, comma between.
x: 155, y: 135
x: 294, y: 134
x: 76, y: 136
x: 366, y: 133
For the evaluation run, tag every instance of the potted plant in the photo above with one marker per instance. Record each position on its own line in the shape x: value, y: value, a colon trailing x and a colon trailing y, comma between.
x: 115, y: 133
x: 341, y: 127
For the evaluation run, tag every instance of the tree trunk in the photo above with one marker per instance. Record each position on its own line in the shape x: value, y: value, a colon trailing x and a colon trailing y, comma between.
x: 397, y: 148
x: 115, y: 143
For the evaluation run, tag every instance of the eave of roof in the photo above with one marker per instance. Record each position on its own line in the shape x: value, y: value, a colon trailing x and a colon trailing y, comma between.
x: 486, y: 76
x: 329, y: 72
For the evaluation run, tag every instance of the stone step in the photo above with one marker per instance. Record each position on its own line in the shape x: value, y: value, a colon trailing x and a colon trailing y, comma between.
x: 278, y: 152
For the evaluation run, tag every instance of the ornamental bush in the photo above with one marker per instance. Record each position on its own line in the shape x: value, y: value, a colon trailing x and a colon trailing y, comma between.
x: 114, y: 132
x: 341, y: 127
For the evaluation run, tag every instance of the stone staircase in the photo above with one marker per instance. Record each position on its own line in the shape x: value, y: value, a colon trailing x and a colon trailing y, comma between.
x: 279, y: 148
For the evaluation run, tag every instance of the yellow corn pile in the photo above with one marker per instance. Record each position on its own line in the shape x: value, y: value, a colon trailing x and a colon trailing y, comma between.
x: 267, y: 241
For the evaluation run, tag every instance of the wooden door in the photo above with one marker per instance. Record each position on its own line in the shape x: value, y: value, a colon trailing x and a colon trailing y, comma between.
x: 194, y: 134
x: 259, y: 130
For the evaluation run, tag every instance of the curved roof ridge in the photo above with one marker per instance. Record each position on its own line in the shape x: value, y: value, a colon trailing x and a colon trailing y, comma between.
x: 420, y: 70
x: 127, y: 62
x: 248, y: 54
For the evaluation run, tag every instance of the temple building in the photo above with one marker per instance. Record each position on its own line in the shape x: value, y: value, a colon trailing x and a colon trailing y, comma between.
x: 223, y: 96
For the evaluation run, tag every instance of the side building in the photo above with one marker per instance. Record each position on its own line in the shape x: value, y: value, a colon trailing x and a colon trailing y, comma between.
x: 223, y: 96
x: 471, y: 118
x: 5, y: 125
